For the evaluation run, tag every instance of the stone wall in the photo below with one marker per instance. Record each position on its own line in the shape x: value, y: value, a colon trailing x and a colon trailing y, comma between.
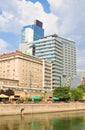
x: 13, y: 109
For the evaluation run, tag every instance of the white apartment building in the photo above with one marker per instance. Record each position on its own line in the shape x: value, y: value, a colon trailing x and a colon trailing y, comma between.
x: 69, y: 61
x: 61, y: 52
x: 49, y: 48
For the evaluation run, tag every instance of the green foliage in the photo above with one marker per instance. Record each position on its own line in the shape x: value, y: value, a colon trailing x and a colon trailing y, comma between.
x: 40, y: 99
x: 21, y: 100
x: 76, y: 94
x: 63, y: 93
x: 29, y: 99
x: 82, y: 87
x: 67, y: 93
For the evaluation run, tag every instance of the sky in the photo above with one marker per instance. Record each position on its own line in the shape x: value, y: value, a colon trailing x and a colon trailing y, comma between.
x: 66, y: 18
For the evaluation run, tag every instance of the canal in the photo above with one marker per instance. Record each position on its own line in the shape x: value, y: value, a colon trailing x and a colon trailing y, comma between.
x: 49, y: 121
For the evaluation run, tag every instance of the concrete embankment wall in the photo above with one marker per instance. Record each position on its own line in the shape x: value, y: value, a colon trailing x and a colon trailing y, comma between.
x: 13, y: 109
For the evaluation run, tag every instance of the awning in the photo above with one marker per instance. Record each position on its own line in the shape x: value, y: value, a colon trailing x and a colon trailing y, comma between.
x: 55, y: 98
x: 36, y: 97
x: 3, y: 96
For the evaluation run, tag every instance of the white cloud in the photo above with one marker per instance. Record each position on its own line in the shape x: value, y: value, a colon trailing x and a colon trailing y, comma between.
x: 80, y: 58
x: 66, y: 18
x: 70, y: 24
x: 5, y: 18
x: 26, y: 12
x: 3, y: 46
x: 70, y: 14
x: 81, y: 62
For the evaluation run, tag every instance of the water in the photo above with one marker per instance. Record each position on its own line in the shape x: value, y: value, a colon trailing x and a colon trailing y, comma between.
x: 49, y: 121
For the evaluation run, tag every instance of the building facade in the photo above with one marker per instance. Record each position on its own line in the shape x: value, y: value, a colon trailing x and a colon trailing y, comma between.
x: 69, y: 60
x: 24, y: 68
x: 61, y: 52
x: 47, y: 75
x: 69, y: 56
x: 31, y: 33
x: 25, y: 71
x: 49, y: 48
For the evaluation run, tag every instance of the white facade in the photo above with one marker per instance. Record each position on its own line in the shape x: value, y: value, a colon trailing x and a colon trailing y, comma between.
x: 69, y: 57
x: 26, y: 48
x: 27, y: 35
x: 47, y: 75
x: 48, y: 48
x: 69, y: 61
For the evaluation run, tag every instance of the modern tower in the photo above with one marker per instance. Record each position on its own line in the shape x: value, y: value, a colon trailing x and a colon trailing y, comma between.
x: 50, y: 49
x: 62, y: 53
x: 69, y: 60
x: 32, y: 32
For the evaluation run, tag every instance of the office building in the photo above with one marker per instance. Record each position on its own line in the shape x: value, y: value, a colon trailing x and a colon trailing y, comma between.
x: 61, y: 52
x: 69, y: 56
x: 25, y: 71
x: 31, y: 33
x: 69, y: 60
x: 49, y: 48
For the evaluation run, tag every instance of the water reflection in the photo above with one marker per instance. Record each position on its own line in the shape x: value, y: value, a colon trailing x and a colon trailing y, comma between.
x: 51, y: 121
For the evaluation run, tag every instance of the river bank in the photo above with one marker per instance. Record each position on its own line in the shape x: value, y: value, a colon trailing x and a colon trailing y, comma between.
x: 15, y: 109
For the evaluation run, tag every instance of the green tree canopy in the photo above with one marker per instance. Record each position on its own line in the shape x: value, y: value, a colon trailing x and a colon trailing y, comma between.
x: 76, y: 94
x: 82, y: 87
x: 63, y: 93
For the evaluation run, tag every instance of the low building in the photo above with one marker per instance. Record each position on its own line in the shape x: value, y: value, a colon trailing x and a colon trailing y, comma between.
x: 21, y: 70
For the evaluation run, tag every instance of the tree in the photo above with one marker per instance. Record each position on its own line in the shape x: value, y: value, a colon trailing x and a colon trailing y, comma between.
x: 2, y: 91
x: 76, y: 94
x: 82, y: 87
x: 63, y: 93
x: 9, y: 92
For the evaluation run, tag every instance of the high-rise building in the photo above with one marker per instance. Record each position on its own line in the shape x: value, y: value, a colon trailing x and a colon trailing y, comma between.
x: 69, y: 60
x: 69, y: 56
x: 32, y: 32
x: 49, y: 48
x: 61, y: 52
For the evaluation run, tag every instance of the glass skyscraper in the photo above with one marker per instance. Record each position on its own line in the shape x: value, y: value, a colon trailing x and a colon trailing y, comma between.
x: 32, y: 32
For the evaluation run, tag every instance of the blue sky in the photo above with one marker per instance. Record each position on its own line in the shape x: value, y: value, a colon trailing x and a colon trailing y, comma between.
x: 63, y: 17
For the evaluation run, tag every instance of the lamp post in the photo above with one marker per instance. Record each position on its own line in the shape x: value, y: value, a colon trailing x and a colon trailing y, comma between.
x: 30, y: 80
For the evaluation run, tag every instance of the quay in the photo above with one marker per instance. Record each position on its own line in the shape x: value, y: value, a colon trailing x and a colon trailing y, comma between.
x: 17, y: 109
